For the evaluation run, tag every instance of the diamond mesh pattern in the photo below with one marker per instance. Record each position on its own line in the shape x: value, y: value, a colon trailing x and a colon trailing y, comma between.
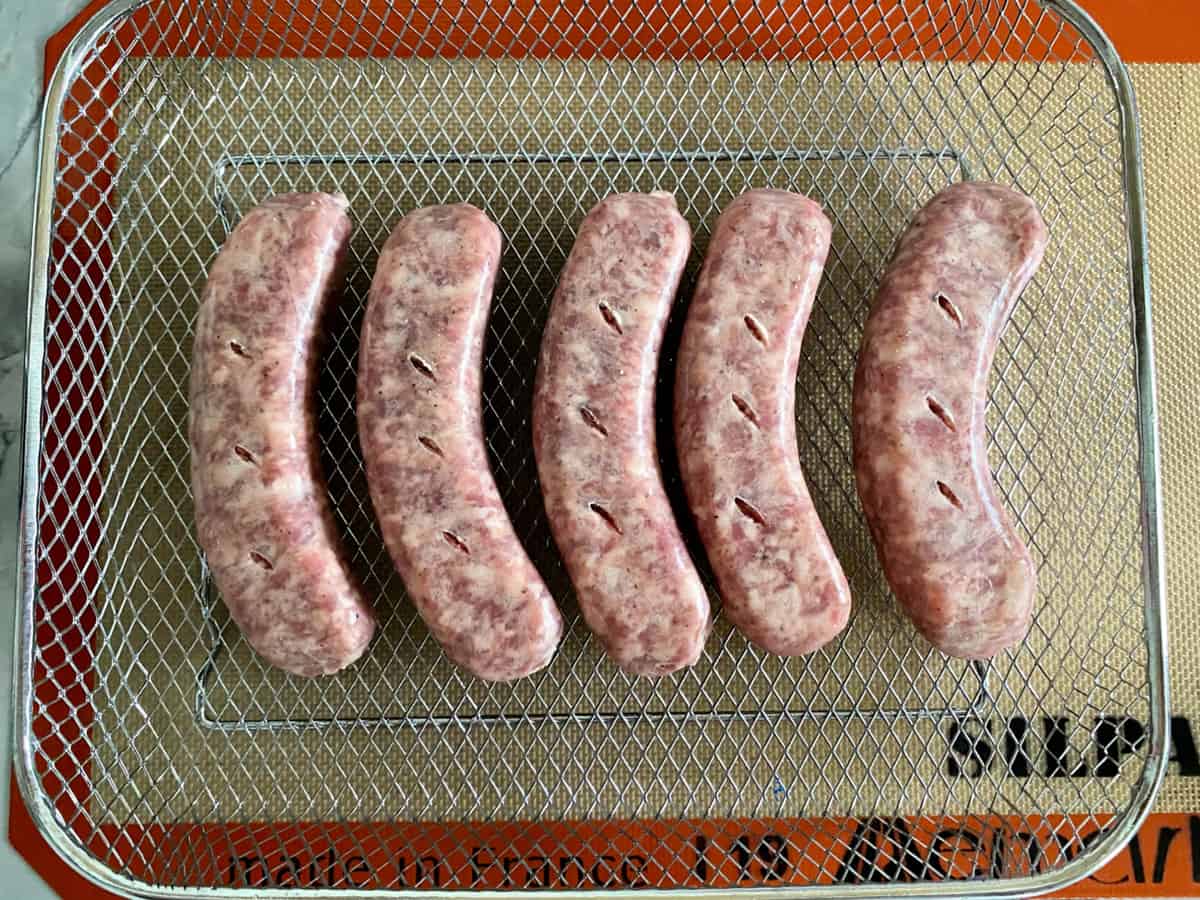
x: 147, y: 707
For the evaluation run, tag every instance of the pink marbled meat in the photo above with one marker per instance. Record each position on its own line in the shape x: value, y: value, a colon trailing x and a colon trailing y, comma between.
x: 262, y: 515
x: 593, y: 433
x: 947, y: 547
x: 420, y: 420
x: 735, y: 423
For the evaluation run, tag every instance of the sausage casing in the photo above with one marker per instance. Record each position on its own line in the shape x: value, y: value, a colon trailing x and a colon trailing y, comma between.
x: 946, y: 544
x: 420, y: 421
x: 262, y: 514
x: 594, y: 438
x: 735, y: 423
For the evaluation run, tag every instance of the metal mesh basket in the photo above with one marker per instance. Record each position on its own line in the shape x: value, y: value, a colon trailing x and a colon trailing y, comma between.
x: 158, y: 754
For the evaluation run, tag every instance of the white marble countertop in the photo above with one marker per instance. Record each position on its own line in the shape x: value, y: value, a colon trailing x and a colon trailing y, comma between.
x: 24, y: 27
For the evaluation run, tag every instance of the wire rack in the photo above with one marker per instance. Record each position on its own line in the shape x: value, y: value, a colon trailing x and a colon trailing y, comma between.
x: 158, y: 754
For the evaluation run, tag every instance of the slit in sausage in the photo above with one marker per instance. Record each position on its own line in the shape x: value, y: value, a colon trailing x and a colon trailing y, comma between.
x: 592, y: 422
x: 456, y: 542
x: 431, y: 445
x: 941, y: 412
x: 949, y: 495
x: 756, y: 329
x: 262, y: 561
x: 238, y: 350
x: 245, y: 454
x: 606, y: 516
x: 422, y: 366
x: 745, y: 409
x: 610, y: 316
x: 751, y: 512
x: 948, y: 308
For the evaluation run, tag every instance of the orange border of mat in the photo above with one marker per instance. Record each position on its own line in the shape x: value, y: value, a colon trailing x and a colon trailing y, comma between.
x: 1144, y: 31
x: 1163, y: 860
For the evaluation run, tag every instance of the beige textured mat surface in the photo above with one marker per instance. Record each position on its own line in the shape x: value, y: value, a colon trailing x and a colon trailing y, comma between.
x: 1169, y: 97
x: 1063, y: 421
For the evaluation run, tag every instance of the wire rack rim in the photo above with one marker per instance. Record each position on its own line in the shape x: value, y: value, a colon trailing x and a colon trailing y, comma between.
x: 65, y: 843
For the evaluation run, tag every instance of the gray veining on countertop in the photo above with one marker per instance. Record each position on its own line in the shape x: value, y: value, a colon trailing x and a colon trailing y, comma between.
x: 24, y: 27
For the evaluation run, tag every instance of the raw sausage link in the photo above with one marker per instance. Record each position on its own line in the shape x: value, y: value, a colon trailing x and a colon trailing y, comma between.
x: 593, y: 433
x: 262, y: 514
x: 947, y: 547
x: 420, y: 420
x: 735, y: 423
